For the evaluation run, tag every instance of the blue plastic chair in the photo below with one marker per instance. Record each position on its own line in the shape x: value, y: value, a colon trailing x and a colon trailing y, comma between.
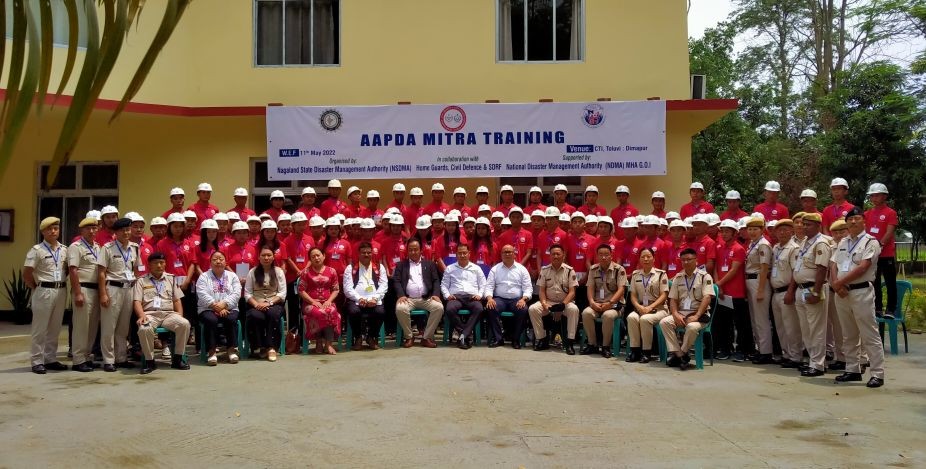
x: 904, y: 296
x: 399, y: 333
x: 448, y: 331
x: 699, y: 342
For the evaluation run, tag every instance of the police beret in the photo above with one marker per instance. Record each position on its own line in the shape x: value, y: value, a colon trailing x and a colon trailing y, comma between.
x: 122, y: 223
x: 798, y: 216
x: 45, y: 223
x: 784, y: 222
x: 156, y: 256
x: 814, y: 217
x: 755, y: 222
x: 839, y: 225
x: 89, y: 221
x: 855, y: 212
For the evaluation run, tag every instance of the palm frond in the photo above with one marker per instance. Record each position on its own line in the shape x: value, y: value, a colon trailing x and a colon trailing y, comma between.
x: 73, y: 37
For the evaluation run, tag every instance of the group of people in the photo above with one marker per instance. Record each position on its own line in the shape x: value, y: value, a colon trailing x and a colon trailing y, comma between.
x: 811, y: 280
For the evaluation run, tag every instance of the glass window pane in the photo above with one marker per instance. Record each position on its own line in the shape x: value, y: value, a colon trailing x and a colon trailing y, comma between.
x: 567, y: 180
x: 511, y: 30
x: 297, y: 29
x: 518, y: 181
x: 540, y: 30
x: 260, y: 177
x: 100, y: 176
x: 67, y: 178
x: 269, y: 32
x: 568, y: 32
x: 327, y: 32
x: 75, y: 208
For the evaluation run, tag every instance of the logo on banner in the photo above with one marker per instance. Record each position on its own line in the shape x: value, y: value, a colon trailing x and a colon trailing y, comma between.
x: 594, y: 115
x: 331, y: 120
x: 452, y: 118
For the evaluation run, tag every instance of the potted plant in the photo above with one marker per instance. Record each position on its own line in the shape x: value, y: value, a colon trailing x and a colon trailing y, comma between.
x: 18, y: 294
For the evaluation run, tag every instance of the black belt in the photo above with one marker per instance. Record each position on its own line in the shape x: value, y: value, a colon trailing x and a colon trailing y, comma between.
x: 859, y: 286
x: 752, y: 276
x: 807, y: 284
x: 780, y: 289
x: 53, y: 284
x: 120, y: 284
x: 90, y: 285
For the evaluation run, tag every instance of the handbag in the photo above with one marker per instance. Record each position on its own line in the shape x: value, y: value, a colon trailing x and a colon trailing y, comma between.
x: 293, y: 341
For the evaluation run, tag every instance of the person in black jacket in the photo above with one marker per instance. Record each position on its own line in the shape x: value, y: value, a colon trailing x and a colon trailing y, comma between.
x: 416, y: 283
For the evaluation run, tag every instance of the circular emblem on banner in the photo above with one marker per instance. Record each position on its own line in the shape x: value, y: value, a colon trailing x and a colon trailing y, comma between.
x: 453, y: 118
x: 331, y: 120
x: 593, y: 115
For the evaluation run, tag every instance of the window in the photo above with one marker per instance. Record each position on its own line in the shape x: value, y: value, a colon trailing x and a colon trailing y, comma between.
x: 59, y: 16
x: 261, y: 188
x: 522, y: 185
x: 80, y: 187
x: 297, y: 32
x: 540, y: 30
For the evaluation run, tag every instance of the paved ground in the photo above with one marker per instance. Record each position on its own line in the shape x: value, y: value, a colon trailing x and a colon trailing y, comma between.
x: 453, y: 408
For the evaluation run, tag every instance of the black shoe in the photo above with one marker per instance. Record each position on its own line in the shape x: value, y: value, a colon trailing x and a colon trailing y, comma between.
x: 812, y: 372
x: 606, y: 352
x: 56, y: 366
x: 150, y: 365
x: 837, y: 366
x: 673, y: 361
x: 589, y: 349
x: 83, y: 367
x: 645, y: 358
x: 875, y: 383
x: 634, y: 355
x: 109, y: 368
x: 568, y: 347
x: 846, y: 377
x: 462, y: 344
x: 177, y: 363
x: 38, y: 369
x: 542, y: 344
x: 496, y: 344
x: 722, y: 356
x: 738, y: 357
x: 763, y: 360
x: 683, y: 365
x: 125, y: 364
x: 829, y: 357
x: 516, y: 345
x: 751, y: 356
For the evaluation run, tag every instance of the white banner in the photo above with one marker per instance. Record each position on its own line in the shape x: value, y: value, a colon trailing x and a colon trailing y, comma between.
x: 467, y: 140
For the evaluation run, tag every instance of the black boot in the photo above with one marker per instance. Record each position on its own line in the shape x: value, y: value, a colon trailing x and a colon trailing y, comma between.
x: 177, y: 363
x: 542, y: 344
x: 589, y: 349
x: 634, y: 355
x: 568, y: 346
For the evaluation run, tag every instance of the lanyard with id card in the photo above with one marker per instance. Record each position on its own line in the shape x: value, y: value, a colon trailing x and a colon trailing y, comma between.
x: 686, y: 303
x: 847, y: 263
x: 158, y: 290
x: 646, y: 280
x: 55, y: 256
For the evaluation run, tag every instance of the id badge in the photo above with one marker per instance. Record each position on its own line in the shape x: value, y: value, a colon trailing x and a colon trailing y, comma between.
x: 775, y: 272
x: 724, y: 268
x: 57, y: 275
x: 626, y: 264
x: 846, y: 265
x: 141, y: 268
x: 672, y: 267
x: 686, y: 304
x: 601, y: 293
x: 875, y: 230
x: 300, y: 259
x: 396, y: 260
x: 156, y: 303
x: 335, y: 256
x: 369, y: 288
x: 129, y: 275
x: 797, y: 266
x: 645, y: 299
x: 178, y: 263
x: 452, y: 254
x: 579, y: 257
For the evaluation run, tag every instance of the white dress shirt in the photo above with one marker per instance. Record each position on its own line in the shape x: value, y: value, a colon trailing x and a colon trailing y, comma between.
x: 365, y: 288
x: 457, y: 280
x: 415, y: 287
x: 509, y: 283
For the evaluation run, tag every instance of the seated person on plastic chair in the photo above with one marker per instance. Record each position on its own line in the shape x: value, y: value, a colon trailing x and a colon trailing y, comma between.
x: 607, y: 281
x: 417, y: 285
x: 557, y: 284
x: 463, y: 286
x: 157, y: 304
x: 218, y: 291
x: 508, y: 288
x: 365, y: 286
x: 689, y: 301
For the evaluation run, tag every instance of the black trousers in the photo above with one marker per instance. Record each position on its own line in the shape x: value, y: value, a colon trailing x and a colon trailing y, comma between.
x: 374, y: 315
x: 495, y: 319
x: 293, y: 312
x: 264, y: 327
x: 452, y: 311
x: 210, y: 323
x: 887, y: 267
x: 728, y: 322
x: 189, y: 312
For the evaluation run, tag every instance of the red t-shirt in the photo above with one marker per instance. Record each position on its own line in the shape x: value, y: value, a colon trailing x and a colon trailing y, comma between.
x: 297, y: 248
x: 393, y: 251
x: 546, y: 239
x: 144, y: 250
x: 235, y: 254
x: 623, y: 211
x: 835, y: 212
x: 202, y: 259
x: 597, y: 210
x: 706, y: 249
x: 203, y: 211
x: 727, y: 254
x: 446, y: 249
x: 410, y: 215
x: 172, y: 210
x: 483, y: 257
x: 464, y: 211
x: 432, y: 208
x: 670, y: 257
x: 522, y: 241
x: 104, y: 236
x: 174, y: 254
x: 657, y: 245
x: 530, y: 209
x: 242, y: 212
x: 506, y: 208
x: 332, y: 207
x: 578, y: 251
x: 877, y: 219
x: 734, y: 215
x: 776, y: 211
x: 354, y: 211
x: 566, y: 208
x: 690, y: 209
x: 628, y: 251
x: 338, y: 256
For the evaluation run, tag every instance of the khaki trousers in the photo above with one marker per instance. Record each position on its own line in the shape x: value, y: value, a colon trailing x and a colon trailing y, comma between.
x: 789, y: 328
x: 403, y: 312
x: 47, y: 314
x: 860, y: 331
x: 640, y: 328
x: 758, y: 315
x: 607, y: 325
x: 813, y: 330
x: 667, y: 324
x: 834, y: 342
x: 537, y: 313
x: 169, y: 320
x: 114, y: 325
x: 86, y: 321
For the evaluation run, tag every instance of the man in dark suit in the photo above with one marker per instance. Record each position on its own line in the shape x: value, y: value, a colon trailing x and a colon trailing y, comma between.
x: 416, y: 283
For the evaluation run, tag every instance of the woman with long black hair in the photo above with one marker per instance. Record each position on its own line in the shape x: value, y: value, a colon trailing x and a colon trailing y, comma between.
x: 265, y: 293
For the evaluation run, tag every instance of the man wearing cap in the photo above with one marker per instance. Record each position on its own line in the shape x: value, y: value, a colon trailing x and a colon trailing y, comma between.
x: 506, y: 193
x: 839, y: 189
x: 459, y: 203
x: 811, y: 265
x: 590, y: 206
x: 809, y: 201
x: 202, y: 208
x: 156, y: 303
x: 560, y: 192
x: 734, y: 209
x: 398, y: 198
x: 834, y: 340
x: 852, y: 270
x: 354, y: 207
x: 241, y: 204
x: 659, y: 204
x: 557, y: 288
x: 414, y: 210
x: 437, y: 200
x: 758, y: 290
x: 463, y: 286
x: 118, y: 260
x: 43, y: 272
x: 333, y: 205
x: 307, y: 206
x: 108, y: 216
x: 82, y: 274
x: 690, y: 299
x: 482, y: 198
x: 534, y: 200
x: 880, y: 223
x: 771, y: 209
x: 787, y: 324
x: 579, y: 243
x: 731, y: 281
x: 550, y: 236
x: 520, y: 238
x: 651, y: 240
x: 177, y: 199
x: 697, y: 204
x: 628, y: 251
x: 277, y: 198
x: 624, y: 208
x: 605, y: 294
x: 416, y: 283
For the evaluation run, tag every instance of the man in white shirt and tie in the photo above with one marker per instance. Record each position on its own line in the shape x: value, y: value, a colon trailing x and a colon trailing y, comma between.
x: 365, y: 286
x: 463, y: 286
x: 508, y: 289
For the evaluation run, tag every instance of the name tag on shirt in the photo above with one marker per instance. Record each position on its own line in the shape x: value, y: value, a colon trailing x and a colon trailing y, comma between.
x: 646, y: 299
x: 672, y: 267
x: 775, y: 272
x: 157, y: 302
x: 141, y: 268
x: 580, y: 257
x: 178, y: 263
x: 179, y: 279
x: 129, y: 275
x: 724, y: 268
x: 335, y: 256
x: 846, y: 265
x: 686, y: 304
x: 875, y: 229
x: 300, y: 259
x: 57, y: 275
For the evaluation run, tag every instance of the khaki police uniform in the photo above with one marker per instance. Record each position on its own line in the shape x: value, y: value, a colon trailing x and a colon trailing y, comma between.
x: 787, y: 323
x: 119, y: 264
x: 556, y: 283
x: 758, y: 253
x: 647, y: 288
x: 814, y: 252
x: 603, y: 286
x: 83, y: 256
x: 157, y: 301
x: 834, y: 342
x: 49, y: 266
x: 857, y: 309
x: 689, y: 300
